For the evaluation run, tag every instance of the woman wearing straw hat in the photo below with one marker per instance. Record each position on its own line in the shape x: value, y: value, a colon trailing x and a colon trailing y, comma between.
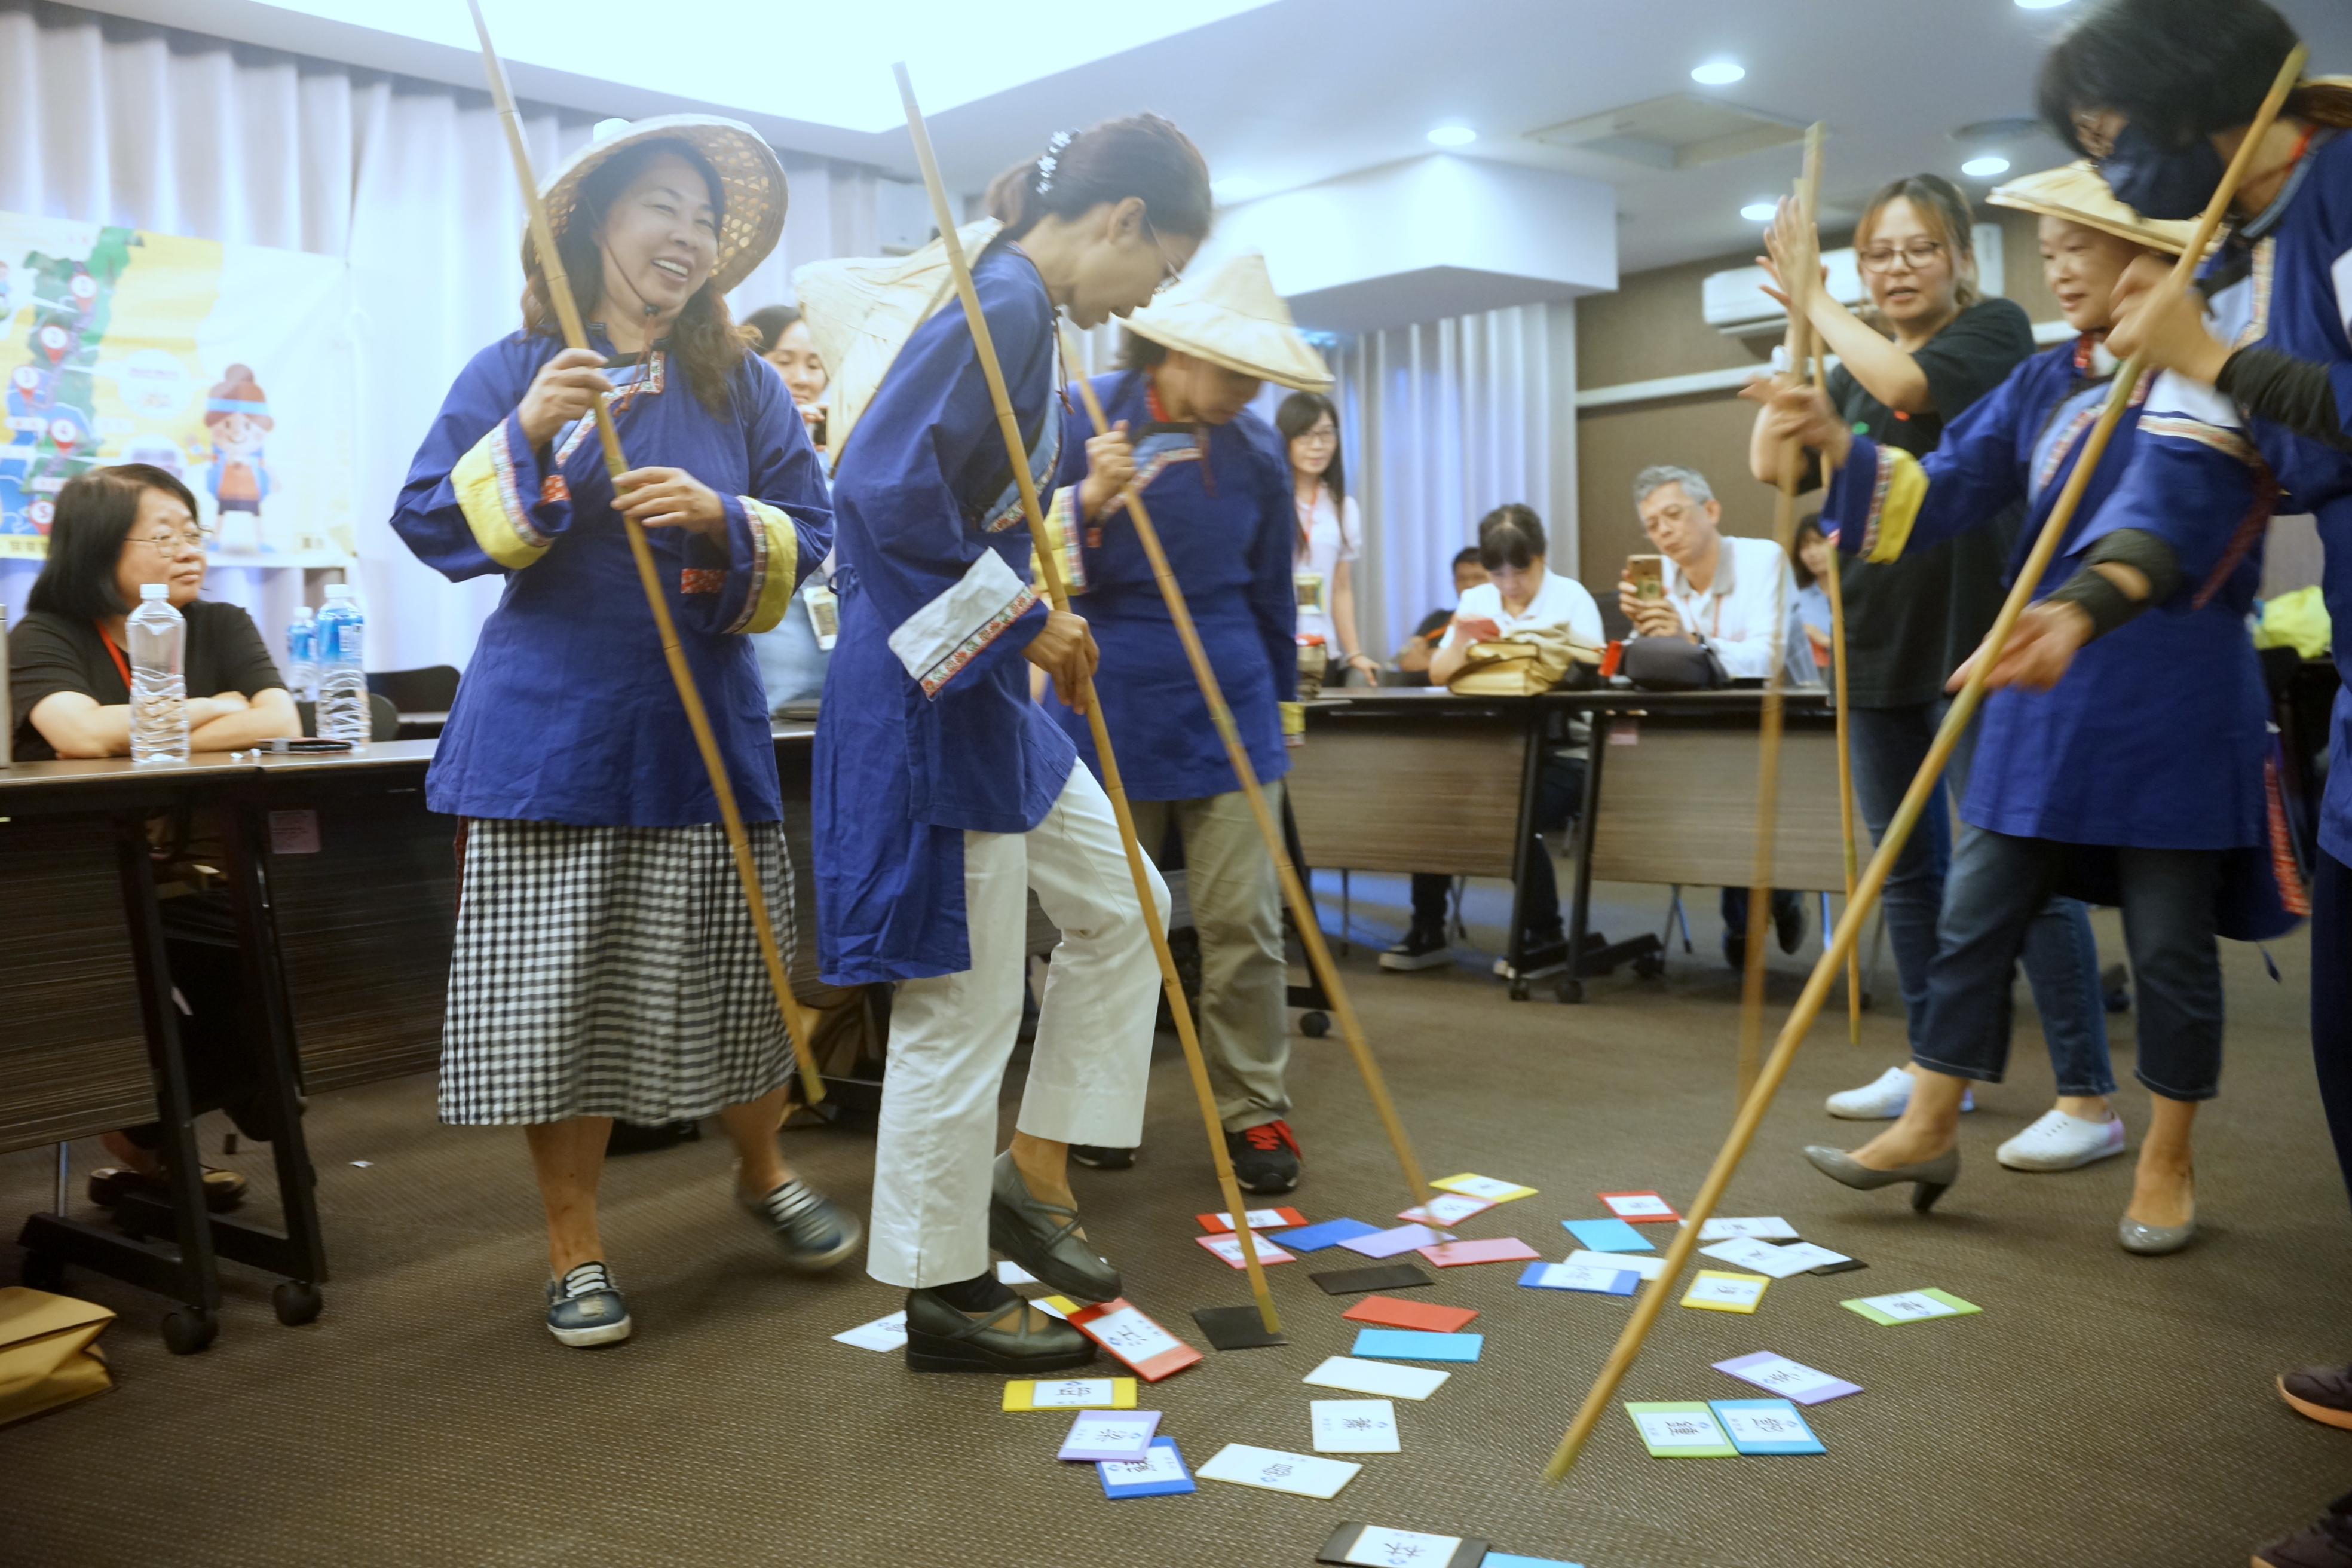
x: 1217, y: 481
x: 2137, y: 781
x: 606, y: 964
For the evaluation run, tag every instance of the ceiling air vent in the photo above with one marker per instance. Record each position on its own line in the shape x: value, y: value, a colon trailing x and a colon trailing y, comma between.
x: 1680, y: 131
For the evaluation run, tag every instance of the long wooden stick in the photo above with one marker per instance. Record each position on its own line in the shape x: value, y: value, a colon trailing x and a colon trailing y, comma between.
x: 1293, y: 890
x: 1768, y: 773
x: 798, y: 1023
x: 1835, y: 576
x: 1906, y: 817
x: 984, y: 344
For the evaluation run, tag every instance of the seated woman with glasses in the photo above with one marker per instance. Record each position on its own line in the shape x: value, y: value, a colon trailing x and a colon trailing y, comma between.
x: 115, y: 530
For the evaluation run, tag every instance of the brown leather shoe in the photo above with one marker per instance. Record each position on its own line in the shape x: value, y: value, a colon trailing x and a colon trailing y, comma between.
x: 109, y: 1184
x: 2322, y: 1392
x: 2325, y: 1542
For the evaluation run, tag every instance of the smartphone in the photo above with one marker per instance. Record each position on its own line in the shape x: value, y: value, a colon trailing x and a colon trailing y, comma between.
x: 1649, y: 576
x: 816, y: 431
x: 282, y: 744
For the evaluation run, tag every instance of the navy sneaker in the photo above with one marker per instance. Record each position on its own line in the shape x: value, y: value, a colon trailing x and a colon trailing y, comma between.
x: 816, y: 1233
x: 585, y: 1307
x: 1266, y: 1158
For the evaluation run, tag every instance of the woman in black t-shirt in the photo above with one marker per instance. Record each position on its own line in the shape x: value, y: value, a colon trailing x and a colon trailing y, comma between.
x: 116, y: 529
x: 1909, y: 624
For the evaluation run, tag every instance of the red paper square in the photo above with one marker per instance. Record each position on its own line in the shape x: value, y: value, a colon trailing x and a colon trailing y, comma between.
x: 1392, y: 1313
x: 1151, y: 1350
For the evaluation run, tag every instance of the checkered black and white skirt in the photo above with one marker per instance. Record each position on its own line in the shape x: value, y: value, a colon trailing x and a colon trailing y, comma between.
x: 611, y: 971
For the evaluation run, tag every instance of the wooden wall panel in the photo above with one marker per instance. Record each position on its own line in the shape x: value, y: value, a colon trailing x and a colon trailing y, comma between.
x: 1679, y: 806
x: 1374, y: 794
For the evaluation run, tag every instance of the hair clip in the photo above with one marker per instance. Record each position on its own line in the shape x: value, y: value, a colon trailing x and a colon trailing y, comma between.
x: 1051, y: 158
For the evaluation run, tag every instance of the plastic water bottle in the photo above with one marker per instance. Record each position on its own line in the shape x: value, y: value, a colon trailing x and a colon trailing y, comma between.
x: 302, y: 655
x: 159, y: 686
x: 344, y: 713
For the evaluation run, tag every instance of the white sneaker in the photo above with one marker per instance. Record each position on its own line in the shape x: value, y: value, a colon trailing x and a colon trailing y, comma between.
x: 1884, y: 1097
x: 2061, y: 1143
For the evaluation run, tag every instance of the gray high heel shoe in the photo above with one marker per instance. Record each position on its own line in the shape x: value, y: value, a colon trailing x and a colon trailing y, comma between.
x: 2153, y: 1240
x: 1043, y: 1237
x: 1930, y: 1178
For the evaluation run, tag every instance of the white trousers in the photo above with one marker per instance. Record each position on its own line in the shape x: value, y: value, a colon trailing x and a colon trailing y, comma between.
x: 951, y: 1035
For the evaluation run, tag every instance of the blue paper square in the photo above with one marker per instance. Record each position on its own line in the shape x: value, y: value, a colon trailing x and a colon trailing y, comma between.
x: 1413, y: 1345
x: 1789, y: 1433
x: 1607, y: 1236
x: 1315, y: 1237
x: 1621, y: 1283
x: 1513, y: 1560
x: 1115, y: 1489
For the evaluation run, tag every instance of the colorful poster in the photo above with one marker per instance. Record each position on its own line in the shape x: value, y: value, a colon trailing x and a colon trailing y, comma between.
x: 228, y: 365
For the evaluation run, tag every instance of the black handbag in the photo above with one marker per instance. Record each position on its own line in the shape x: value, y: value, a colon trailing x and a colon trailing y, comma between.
x: 1671, y: 664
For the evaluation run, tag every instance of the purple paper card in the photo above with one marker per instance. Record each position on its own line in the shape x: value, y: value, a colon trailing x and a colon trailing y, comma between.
x: 1790, y: 1380
x: 1389, y: 1243
x: 1113, y: 1435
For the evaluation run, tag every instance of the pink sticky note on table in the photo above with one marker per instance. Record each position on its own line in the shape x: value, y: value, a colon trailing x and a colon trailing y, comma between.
x: 1503, y: 1249
x: 1389, y: 1243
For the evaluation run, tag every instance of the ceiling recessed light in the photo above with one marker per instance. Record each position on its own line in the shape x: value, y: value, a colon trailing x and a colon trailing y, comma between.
x: 1761, y: 212
x: 1453, y: 135
x: 1985, y: 168
x: 2039, y: 5
x: 1236, y: 188
x: 1718, y: 73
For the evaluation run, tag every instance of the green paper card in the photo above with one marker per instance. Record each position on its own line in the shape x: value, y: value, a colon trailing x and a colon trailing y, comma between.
x: 1911, y: 1307
x: 1681, y: 1430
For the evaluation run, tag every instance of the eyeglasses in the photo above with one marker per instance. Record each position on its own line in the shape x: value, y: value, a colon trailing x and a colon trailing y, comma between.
x: 171, y: 545
x: 1319, y: 438
x: 1173, y: 271
x: 1916, y: 255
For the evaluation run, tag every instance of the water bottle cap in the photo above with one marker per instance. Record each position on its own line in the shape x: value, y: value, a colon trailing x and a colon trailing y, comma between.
x: 305, y: 613
x: 154, y: 590
x: 339, y: 590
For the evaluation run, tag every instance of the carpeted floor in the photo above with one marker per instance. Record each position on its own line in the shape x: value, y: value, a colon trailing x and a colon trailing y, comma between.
x: 2102, y: 1410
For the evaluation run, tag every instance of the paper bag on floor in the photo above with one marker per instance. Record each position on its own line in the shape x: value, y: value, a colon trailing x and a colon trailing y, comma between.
x: 48, y: 1352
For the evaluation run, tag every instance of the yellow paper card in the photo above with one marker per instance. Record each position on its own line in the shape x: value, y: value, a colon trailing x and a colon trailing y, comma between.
x: 1058, y: 1306
x: 1070, y: 1394
x: 1713, y: 1290
x: 1486, y: 1187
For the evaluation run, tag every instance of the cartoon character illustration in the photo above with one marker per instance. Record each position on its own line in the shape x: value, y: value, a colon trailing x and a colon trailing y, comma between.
x: 236, y: 412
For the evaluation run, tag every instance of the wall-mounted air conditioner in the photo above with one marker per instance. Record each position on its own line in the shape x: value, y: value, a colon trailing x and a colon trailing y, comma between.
x: 1736, y: 305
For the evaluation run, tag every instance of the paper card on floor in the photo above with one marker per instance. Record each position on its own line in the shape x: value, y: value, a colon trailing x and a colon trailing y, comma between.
x: 1771, y: 1229
x: 1330, y: 1233
x: 882, y: 1334
x: 1054, y: 1306
x: 1717, y: 1292
x: 1110, y: 1435
x: 1348, y: 1281
x: 1765, y: 1426
x: 1647, y: 1268
x: 1640, y: 1208
x: 1684, y: 1430
x: 1302, y: 1475
x: 1011, y: 1273
x: 1378, y: 1546
x: 1127, y: 1334
x: 1788, y: 1379
x: 1502, y: 1249
x: 1513, y: 1560
x: 1395, y: 1314
x: 1229, y: 1248
x: 1773, y: 1262
x: 1486, y: 1187
x: 1383, y: 1378
x: 1600, y: 1278
x: 1412, y: 1344
x: 1447, y: 1208
x: 1259, y: 1219
x: 1389, y: 1243
x: 1911, y: 1307
x: 1160, y: 1473
x: 1070, y: 1394
x: 1607, y: 1236
x: 1354, y: 1426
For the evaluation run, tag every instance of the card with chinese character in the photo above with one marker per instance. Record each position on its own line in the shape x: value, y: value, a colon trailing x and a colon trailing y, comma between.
x: 1259, y: 1219
x: 1447, y: 1209
x: 1303, y: 1475
x: 1640, y: 1208
x: 1390, y: 1313
x: 1763, y: 1229
x: 1070, y: 1394
x: 1378, y: 1546
x: 1790, y: 1380
x: 1412, y: 1344
x: 1160, y: 1473
x: 1765, y: 1426
x: 1911, y: 1307
x: 1229, y: 1248
x: 1600, y: 1280
x: 1607, y: 1236
x: 1354, y: 1426
x: 1716, y: 1291
x: 1773, y: 1262
x: 1684, y: 1430
x: 1110, y: 1435
x: 882, y: 1334
x: 1385, y: 1379
x: 1330, y: 1233
x: 1649, y: 1269
x: 1486, y: 1187
x: 1011, y: 1273
x: 1119, y: 1328
x: 1501, y: 1250
x: 1389, y: 1243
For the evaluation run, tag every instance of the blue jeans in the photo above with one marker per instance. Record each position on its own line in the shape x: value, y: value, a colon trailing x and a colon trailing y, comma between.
x: 2000, y: 886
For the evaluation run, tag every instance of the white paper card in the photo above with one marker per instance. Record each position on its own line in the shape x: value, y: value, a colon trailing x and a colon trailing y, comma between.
x: 1580, y: 1276
x: 1679, y: 1429
x: 1132, y: 1336
x: 1386, y: 1379
x: 1750, y: 1425
x: 1104, y: 1431
x: 1011, y: 1273
x: 882, y: 1334
x: 1770, y: 1229
x: 1229, y: 1248
x: 1911, y: 1305
x: 1382, y: 1548
x: 1486, y: 1187
x: 1803, y: 1255
x: 1648, y: 1265
x: 1271, y: 1468
x: 1355, y: 1426
x: 1160, y: 1464
x: 1447, y: 1208
x: 1792, y: 1378
x: 1730, y: 1292
x: 1773, y: 1262
x: 1638, y: 1205
x: 1076, y: 1394
x: 1048, y: 1307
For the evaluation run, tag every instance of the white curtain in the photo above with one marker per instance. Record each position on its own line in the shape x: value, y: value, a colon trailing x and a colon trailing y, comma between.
x: 107, y: 121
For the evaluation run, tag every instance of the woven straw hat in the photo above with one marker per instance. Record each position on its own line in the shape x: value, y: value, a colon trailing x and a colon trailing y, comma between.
x: 753, y: 178
x: 2076, y: 193
x: 1234, y: 319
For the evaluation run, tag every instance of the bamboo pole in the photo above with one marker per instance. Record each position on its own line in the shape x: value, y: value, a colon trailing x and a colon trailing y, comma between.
x: 797, y: 1021
x: 1293, y: 890
x: 984, y: 345
x: 1906, y: 817
x: 1844, y: 755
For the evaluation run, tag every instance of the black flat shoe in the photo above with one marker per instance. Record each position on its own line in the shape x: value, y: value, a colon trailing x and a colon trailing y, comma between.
x: 1043, y: 1238
x: 941, y: 1339
x: 1928, y: 1178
